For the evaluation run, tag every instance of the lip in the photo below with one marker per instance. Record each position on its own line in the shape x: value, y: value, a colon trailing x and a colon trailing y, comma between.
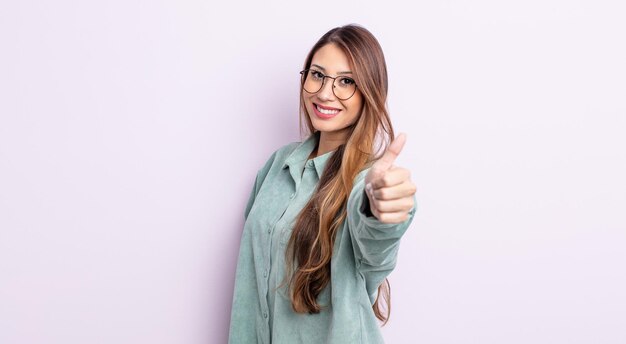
x: 324, y: 116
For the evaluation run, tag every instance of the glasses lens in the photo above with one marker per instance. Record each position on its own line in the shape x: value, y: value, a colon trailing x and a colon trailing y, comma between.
x: 313, y: 81
x: 344, y: 87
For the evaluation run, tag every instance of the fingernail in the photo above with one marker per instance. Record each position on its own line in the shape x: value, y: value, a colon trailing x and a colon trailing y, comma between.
x: 369, y: 187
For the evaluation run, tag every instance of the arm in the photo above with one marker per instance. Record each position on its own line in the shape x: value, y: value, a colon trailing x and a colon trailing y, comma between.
x: 375, y: 243
x: 258, y: 182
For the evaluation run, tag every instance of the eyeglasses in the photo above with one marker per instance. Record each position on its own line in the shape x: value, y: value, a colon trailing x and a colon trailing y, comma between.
x: 313, y: 81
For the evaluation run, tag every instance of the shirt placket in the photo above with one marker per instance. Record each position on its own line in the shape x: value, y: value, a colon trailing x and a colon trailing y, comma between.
x: 267, y: 262
x: 298, y: 199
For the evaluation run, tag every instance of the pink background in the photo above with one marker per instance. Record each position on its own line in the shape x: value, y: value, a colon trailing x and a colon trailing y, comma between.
x: 131, y: 131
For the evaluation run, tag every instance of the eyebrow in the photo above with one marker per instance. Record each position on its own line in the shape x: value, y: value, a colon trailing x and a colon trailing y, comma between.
x: 323, y: 69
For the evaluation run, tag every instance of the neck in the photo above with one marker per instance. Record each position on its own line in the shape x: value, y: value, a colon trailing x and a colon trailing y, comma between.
x: 329, y: 141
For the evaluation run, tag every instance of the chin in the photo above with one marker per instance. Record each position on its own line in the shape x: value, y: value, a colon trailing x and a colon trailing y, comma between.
x: 322, y: 125
x: 328, y: 128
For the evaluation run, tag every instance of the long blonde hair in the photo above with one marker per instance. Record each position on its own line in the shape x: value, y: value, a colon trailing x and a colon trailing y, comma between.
x: 311, y: 243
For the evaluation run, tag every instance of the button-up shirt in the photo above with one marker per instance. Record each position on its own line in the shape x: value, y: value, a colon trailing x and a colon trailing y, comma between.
x: 364, y: 253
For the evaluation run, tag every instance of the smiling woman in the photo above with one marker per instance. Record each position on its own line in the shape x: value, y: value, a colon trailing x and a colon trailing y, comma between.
x: 325, y: 216
x: 325, y: 100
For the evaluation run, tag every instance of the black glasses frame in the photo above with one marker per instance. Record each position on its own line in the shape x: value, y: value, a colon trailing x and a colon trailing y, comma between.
x: 303, y: 73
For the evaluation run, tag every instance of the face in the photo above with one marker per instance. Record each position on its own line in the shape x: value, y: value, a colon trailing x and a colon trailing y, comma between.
x: 328, y: 113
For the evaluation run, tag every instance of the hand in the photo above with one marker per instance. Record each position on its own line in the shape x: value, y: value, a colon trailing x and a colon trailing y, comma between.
x: 388, y: 187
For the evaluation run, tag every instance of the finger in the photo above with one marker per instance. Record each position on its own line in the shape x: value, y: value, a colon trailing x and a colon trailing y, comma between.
x: 391, y: 178
x: 394, y: 192
x: 390, y: 155
x: 403, y: 204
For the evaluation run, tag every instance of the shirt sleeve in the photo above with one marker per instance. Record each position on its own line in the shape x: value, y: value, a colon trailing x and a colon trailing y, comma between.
x: 375, y: 243
x: 252, y: 197
x: 258, y: 182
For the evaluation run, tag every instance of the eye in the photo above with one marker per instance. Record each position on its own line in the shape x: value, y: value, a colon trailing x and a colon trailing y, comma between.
x: 346, y: 82
x: 317, y: 75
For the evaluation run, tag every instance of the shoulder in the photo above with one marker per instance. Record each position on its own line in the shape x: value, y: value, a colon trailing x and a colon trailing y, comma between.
x: 280, y: 154
x: 277, y: 158
x: 284, y: 151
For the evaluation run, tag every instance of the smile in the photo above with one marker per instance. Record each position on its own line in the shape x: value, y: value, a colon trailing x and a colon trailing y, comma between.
x: 325, y: 111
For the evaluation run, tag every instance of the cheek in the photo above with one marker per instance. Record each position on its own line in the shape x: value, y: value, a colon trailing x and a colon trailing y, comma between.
x: 307, y: 104
x: 308, y: 100
x: 356, y: 107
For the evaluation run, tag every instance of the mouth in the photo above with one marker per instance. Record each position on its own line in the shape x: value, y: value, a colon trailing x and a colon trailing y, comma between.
x: 325, y: 112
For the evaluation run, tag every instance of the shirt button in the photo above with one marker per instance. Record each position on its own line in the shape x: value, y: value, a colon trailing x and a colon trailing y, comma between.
x: 265, y: 273
x: 265, y: 315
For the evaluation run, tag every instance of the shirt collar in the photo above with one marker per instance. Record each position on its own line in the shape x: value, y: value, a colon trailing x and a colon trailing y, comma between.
x: 298, y: 157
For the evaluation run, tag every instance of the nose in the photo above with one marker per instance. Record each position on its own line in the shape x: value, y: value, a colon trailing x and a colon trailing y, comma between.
x: 326, y: 93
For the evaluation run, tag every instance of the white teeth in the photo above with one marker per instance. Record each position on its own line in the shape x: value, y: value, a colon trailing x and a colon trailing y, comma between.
x: 326, y: 112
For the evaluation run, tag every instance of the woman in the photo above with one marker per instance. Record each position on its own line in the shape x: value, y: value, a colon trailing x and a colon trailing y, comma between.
x: 325, y: 216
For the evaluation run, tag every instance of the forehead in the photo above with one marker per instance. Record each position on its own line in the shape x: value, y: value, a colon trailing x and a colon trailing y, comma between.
x: 332, y: 59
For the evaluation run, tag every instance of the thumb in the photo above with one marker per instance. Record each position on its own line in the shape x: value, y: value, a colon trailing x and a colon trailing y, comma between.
x: 392, y: 152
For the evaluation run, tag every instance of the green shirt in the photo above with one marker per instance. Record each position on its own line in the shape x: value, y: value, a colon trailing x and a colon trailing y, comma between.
x: 364, y: 253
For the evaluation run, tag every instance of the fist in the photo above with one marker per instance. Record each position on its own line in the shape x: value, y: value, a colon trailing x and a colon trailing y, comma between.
x: 388, y: 187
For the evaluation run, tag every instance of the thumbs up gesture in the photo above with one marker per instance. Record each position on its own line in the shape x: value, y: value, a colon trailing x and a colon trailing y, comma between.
x: 389, y: 187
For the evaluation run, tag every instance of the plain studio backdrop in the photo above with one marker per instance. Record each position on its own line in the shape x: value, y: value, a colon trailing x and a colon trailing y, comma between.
x: 131, y: 133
